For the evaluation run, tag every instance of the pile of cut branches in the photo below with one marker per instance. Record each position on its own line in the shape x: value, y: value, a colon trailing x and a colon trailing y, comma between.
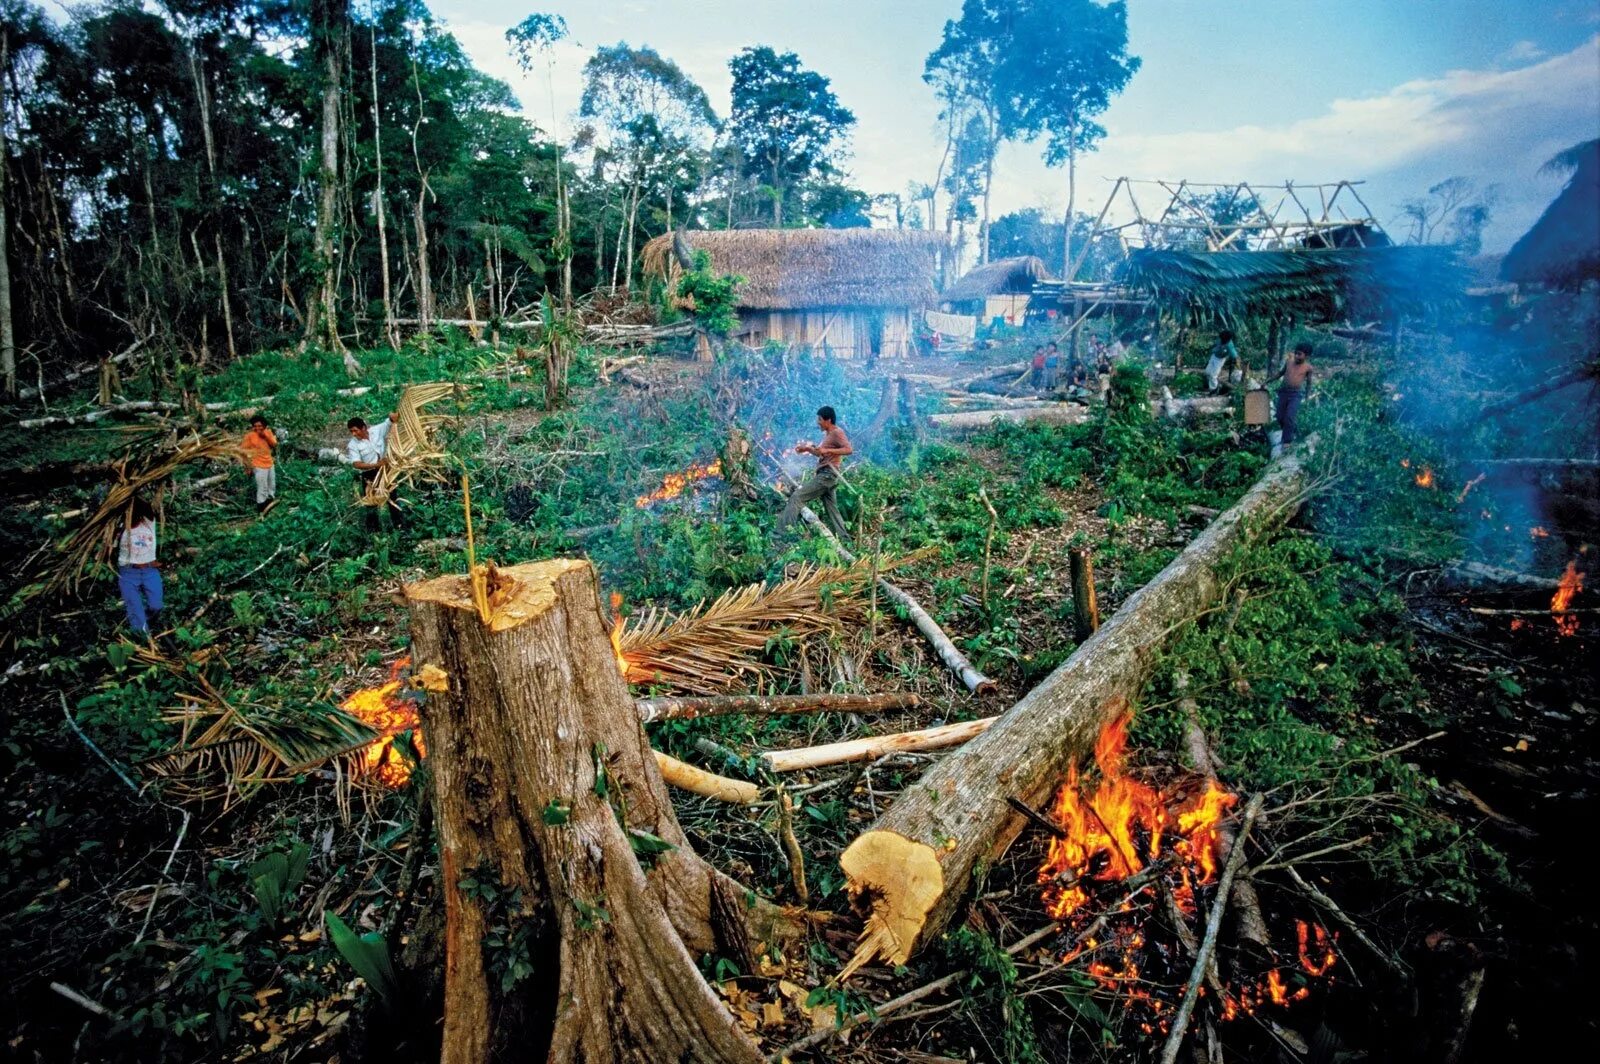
x: 411, y: 452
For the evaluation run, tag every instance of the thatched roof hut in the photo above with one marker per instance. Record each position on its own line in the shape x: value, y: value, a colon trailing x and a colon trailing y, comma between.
x: 1002, y: 277
x: 844, y: 291
x: 1563, y: 247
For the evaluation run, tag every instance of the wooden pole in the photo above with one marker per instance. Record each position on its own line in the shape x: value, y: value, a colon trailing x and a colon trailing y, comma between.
x: 956, y: 816
x: 1085, y: 606
x: 688, y: 708
x: 544, y: 790
x: 939, y: 738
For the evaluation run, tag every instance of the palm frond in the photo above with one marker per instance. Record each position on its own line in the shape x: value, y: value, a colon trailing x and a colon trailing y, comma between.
x: 411, y: 451
x: 714, y: 647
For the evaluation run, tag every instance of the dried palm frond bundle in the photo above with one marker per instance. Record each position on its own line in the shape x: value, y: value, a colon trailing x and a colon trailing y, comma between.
x: 713, y: 647
x: 96, y: 539
x: 411, y: 451
x: 228, y: 752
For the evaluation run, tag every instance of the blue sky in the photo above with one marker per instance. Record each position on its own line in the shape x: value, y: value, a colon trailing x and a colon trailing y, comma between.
x: 1400, y: 93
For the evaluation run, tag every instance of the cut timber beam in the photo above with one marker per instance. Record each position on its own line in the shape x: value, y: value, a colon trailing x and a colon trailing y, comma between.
x: 957, y: 814
x: 945, y: 735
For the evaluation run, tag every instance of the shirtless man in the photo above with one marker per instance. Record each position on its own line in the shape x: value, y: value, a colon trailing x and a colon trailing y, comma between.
x: 1296, y: 374
x: 824, y: 483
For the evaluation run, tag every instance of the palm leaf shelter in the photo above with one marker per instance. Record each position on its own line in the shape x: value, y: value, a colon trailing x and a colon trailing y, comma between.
x: 845, y: 292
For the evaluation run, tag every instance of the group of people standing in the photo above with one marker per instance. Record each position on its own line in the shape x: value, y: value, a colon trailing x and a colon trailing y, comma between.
x: 138, y: 570
x: 1046, y: 368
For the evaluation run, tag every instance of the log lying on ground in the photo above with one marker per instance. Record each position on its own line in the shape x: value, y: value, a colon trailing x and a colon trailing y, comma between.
x: 688, y: 708
x: 687, y: 777
x: 1588, y: 371
x: 545, y: 785
x: 1072, y: 413
x: 957, y: 814
x: 1477, y: 576
x: 874, y: 746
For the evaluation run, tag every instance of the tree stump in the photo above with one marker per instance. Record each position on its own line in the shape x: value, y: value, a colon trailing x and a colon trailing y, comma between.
x: 560, y: 945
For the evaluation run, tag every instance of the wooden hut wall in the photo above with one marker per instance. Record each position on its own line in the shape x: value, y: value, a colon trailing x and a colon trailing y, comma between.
x: 845, y: 332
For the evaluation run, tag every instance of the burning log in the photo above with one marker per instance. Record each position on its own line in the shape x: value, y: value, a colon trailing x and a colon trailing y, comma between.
x: 546, y: 786
x: 957, y: 816
x: 654, y: 709
x: 938, y: 738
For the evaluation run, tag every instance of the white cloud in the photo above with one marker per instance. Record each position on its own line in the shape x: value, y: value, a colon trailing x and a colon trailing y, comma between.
x: 1522, y: 52
x: 1495, y: 126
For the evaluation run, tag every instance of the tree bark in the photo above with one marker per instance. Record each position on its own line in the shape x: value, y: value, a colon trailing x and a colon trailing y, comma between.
x: 543, y: 783
x: 957, y: 815
x: 1589, y: 371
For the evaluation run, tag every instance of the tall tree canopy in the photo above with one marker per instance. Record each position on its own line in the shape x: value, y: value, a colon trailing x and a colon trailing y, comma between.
x: 1060, y: 64
x: 788, y: 125
x: 962, y: 71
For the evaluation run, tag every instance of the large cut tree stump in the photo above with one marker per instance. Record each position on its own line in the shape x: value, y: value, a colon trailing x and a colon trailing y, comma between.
x: 913, y: 867
x: 560, y: 945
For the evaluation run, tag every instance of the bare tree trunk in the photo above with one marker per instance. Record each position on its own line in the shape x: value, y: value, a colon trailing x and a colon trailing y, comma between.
x: 424, y: 277
x: 545, y: 791
x: 329, y: 18
x: 988, y: 183
x: 914, y: 865
x: 1072, y: 205
x: 633, y: 218
x: 379, y: 207
x: 8, y: 336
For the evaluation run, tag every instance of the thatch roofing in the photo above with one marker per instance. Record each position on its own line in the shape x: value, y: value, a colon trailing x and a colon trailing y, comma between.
x: 1563, y: 247
x: 1312, y: 280
x: 793, y: 269
x: 1014, y: 276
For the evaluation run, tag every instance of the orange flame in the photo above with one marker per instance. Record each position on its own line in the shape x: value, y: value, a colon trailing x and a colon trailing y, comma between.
x: 1539, y: 532
x: 388, y: 712
x: 1424, y: 479
x: 1316, y: 948
x: 673, y: 484
x: 616, y: 634
x: 1114, y: 832
x: 1571, y: 584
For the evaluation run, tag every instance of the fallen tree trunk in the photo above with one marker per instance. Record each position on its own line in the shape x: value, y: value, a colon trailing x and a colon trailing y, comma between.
x: 957, y: 815
x: 939, y: 738
x: 546, y: 795
x: 1072, y: 413
x: 1477, y: 576
x: 688, y: 708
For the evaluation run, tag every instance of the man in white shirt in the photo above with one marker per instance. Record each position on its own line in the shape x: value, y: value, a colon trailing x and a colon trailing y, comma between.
x: 365, y: 452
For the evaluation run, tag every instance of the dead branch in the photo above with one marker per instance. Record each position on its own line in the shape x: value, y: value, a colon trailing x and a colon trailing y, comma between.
x: 1180, y: 1022
x: 945, y: 735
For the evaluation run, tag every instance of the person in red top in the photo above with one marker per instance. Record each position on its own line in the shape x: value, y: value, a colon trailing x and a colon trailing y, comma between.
x: 824, y: 483
x: 258, y: 445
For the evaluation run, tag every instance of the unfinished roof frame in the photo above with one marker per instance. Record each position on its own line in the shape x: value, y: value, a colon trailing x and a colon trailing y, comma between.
x: 1286, y: 224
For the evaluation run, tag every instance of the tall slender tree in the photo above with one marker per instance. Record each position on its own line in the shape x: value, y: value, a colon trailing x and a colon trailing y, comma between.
x: 330, y: 22
x: 1058, y: 65
x: 962, y: 72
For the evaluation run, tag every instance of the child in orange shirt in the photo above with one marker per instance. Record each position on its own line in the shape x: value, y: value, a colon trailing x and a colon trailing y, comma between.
x: 258, y: 445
